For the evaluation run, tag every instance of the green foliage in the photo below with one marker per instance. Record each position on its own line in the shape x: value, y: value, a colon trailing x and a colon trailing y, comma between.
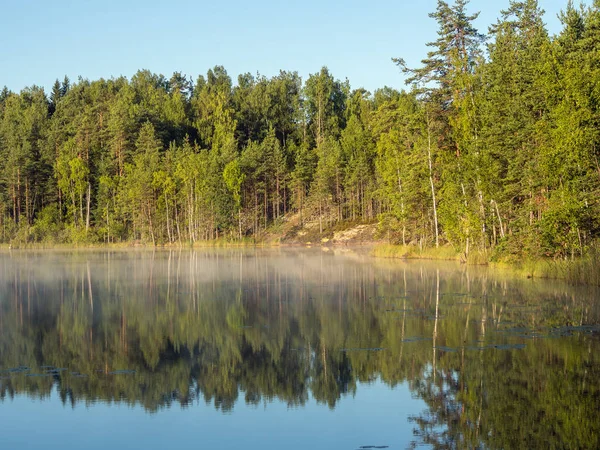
x: 444, y: 253
x: 47, y: 226
x: 496, y: 155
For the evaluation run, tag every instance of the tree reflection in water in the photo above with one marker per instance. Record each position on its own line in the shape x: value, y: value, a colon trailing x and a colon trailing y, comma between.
x: 176, y: 327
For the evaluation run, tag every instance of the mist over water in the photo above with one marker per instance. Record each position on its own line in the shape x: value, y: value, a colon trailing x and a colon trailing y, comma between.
x: 291, y: 348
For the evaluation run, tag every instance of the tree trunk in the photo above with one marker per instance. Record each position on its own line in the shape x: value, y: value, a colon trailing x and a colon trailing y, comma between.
x: 190, y: 218
x: 320, y: 217
x: 499, y: 218
x: 27, y: 202
x: 74, y: 209
x: 177, y: 223
x: 14, y: 198
x: 87, y: 212
x: 266, y: 207
x: 18, y: 194
x: 435, y: 217
x: 151, y: 226
x: 107, y: 225
x: 301, y: 206
x: 255, y: 212
x: 81, y: 207
x: 167, y: 211
x: 338, y: 195
x: 60, y: 205
x: 278, y: 202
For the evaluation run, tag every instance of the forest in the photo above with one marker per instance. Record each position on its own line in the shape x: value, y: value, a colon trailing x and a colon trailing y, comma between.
x: 493, y: 147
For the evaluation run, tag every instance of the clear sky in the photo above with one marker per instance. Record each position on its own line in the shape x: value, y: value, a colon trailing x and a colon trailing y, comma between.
x: 43, y: 40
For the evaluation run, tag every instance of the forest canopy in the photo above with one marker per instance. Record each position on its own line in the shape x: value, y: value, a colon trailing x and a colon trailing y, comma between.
x: 493, y: 145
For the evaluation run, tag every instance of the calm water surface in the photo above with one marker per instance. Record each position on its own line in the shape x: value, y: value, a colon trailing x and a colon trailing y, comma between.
x: 290, y: 349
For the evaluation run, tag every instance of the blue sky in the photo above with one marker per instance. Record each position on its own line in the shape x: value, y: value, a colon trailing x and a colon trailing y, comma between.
x: 44, y: 40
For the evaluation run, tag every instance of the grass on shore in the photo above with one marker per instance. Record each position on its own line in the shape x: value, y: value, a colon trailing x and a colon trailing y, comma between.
x: 215, y: 243
x: 444, y: 253
x: 578, y: 271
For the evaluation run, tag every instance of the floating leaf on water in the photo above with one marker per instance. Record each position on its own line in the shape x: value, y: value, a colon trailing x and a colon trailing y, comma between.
x: 560, y: 334
x: 373, y: 446
x: 416, y: 339
x: 383, y: 297
x: 78, y: 375
x: 410, y: 315
x: 510, y: 346
x: 516, y: 330
x: 478, y: 348
x: 536, y: 336
x: 532, y: 307
x: 122, y: 372
x: 19, y: 369
x: 446, y: 349
x: 580, y: 328
x: 374, y: 349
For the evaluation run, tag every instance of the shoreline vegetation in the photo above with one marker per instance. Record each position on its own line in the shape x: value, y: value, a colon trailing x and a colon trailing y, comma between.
x: 580, y: 270
x: 490, y: 155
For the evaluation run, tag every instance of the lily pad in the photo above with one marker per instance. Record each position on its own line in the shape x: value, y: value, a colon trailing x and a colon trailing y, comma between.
x: 374, y: 349
x: 447, y: 349
x: 478, y: 348
x: 56, y: 371
x: 510, y: 346
x: 416, y: 339
x: 373, y: 446
x: 19, y: 369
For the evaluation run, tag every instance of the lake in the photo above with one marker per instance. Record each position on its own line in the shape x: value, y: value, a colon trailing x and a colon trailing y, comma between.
x: 294, y: 349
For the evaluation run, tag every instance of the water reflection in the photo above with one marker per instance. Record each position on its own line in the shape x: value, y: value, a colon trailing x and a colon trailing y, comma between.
x: 499, y: 363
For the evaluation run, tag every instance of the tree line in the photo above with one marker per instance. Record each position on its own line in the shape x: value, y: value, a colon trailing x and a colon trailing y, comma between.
x: 492, y: 147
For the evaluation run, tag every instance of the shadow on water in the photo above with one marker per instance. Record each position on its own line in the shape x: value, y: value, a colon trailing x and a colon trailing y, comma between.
x: 497, y: 362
